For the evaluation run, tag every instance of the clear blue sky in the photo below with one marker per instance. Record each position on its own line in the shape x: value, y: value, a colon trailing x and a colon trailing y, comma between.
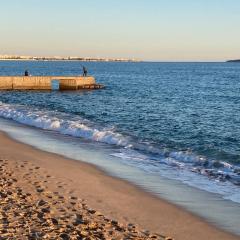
x: 164, y: 30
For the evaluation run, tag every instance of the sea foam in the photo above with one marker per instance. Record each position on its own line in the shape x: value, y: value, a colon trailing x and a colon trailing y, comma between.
x: 177, y: 165
x: 46, y: 120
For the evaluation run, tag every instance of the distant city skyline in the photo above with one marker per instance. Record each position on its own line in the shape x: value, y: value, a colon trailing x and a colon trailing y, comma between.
x: 73, y: 58
x: 151, y: 30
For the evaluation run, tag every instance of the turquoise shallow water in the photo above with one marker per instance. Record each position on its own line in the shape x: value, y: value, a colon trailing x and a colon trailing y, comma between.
x: 177, y: 121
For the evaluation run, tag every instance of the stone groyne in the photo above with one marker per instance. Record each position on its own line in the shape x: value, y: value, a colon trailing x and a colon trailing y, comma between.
x: 46, y: 82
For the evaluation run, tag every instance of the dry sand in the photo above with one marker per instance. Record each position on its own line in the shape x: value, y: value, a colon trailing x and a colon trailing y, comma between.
x: 46, y: 196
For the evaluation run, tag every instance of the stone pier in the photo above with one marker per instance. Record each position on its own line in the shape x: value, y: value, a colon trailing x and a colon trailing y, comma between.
x: 45, y: 82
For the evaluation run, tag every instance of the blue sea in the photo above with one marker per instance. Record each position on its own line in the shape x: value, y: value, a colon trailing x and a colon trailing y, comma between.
x: 172, y: 128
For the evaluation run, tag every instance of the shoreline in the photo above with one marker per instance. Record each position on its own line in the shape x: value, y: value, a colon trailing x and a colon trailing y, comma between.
x: 115, y: 198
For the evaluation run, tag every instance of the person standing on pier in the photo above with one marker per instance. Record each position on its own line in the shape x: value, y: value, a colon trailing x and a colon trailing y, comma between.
x: 26, y: 73
x: 84, y: 71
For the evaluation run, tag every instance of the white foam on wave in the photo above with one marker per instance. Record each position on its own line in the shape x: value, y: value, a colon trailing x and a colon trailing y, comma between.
x: 186, y: 157
x: 174, y: 169
x: 45, y: 120
x: 178, y: 165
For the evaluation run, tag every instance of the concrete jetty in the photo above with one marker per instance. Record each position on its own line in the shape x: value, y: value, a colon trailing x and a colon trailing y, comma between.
x: 46, y: 82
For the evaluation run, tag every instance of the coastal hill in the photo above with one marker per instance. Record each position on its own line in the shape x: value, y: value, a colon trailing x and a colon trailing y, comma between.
x: 69, y: 58
x: 235, y: 60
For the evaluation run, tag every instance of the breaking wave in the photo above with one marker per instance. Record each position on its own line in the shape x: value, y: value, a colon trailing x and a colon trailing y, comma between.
x: 180, y: 165
x: 47, y: 120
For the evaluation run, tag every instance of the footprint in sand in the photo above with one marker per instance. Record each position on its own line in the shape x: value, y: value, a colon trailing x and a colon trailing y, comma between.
x: 39, y: 189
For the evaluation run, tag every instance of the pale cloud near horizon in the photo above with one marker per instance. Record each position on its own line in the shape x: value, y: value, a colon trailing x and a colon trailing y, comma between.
x: 146, y: 29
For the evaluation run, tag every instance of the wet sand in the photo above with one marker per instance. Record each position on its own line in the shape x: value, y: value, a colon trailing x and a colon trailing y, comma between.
x: 46, y: 196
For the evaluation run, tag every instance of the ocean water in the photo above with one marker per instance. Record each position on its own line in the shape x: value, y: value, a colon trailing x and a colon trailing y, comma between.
x: 180, y: 121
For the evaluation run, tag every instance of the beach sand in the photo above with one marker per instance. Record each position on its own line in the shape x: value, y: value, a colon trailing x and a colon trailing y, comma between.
x: 47, y: 196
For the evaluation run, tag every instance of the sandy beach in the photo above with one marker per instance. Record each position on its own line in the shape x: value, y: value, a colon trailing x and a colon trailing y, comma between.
x: 46, y: 196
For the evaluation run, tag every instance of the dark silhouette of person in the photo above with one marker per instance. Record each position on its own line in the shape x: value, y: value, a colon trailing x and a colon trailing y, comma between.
x: 84, y: 71
x: 26, y: 73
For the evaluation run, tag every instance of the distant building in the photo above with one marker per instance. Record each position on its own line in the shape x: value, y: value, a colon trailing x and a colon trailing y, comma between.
x: 55, y: 58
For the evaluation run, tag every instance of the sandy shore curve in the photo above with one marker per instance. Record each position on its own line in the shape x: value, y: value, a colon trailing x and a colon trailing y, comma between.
x: 85, y: 198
